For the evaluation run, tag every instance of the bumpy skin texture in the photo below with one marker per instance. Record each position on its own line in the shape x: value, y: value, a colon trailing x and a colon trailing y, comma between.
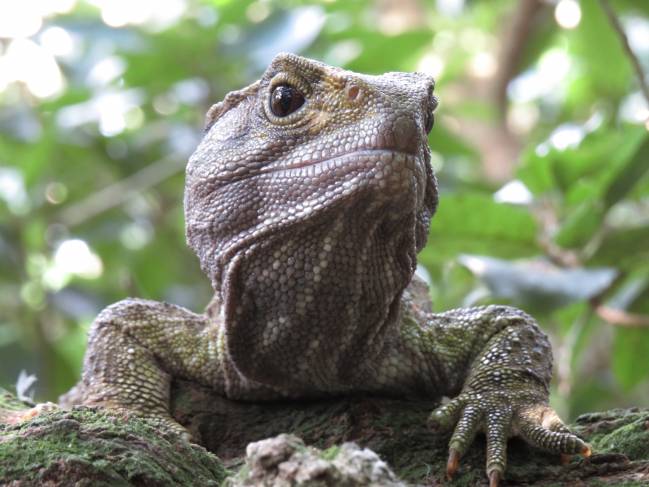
x: 308, y: 226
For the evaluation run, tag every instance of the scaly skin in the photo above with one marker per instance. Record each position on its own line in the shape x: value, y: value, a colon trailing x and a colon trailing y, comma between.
x: 307, y: 219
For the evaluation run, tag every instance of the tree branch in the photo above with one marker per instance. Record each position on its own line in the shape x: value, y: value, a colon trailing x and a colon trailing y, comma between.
x: 121, y: 191
x: 619, y: 317
x: 617, y: 26
x: 512, y: 46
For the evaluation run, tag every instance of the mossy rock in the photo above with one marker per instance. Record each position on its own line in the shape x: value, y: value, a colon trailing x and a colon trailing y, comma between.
x: 95, y: 447
x: 90, y: 447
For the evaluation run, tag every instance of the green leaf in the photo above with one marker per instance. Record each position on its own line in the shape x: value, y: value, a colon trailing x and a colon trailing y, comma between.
x: 581, y: 225
x: 605, y: 63
x: 626, y: 248
x: 381, y: 53
x: 536, y: 172
x: 630, y: 173
x: 630, y: 349
x: 597, y: 186
x: 602, y: 158
x: 447, y: 143
x: 475, y: 223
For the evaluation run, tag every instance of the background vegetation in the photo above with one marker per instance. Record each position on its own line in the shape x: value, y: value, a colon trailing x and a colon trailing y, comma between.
x: 541, y: 147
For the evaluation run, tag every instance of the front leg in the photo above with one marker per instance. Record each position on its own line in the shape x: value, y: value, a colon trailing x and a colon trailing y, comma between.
x: 135, y: 347
x: 500, y: 363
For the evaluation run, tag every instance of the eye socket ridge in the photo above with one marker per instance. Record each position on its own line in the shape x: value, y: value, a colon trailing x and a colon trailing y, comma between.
x: 285, y: 99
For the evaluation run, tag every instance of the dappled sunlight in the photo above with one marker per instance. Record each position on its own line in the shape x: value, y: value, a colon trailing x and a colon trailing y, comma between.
x: 75, y: 257
x: 567, y: 136
x: 514, y: 192
x: 110, y: 110
x: 26, y: 61
x: 153, y: 14
x: 12, y: 190
x: 547, y: 80
x: 432, y: 64
x: 25, y: 18
x: 567, y: 13
x: 634, y: 108
x: 60, y: 43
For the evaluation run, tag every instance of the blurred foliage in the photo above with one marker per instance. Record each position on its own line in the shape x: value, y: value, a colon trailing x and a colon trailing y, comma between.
x: 545, y: 191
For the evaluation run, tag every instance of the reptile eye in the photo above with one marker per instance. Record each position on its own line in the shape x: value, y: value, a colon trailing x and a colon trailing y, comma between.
x: 285, y: 100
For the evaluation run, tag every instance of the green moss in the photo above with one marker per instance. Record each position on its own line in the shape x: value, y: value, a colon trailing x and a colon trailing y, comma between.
x: 94, y: 447
x: 239, y: 477
x: 104, y: 449
x: 330, y: 453
x: 632, y: 440
x: 619, y: 431
x: 8, y: 401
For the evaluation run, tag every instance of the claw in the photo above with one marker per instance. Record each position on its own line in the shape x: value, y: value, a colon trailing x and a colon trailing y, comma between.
x: 453, y: 463
x: 586, y: 451
x: 494, y: 478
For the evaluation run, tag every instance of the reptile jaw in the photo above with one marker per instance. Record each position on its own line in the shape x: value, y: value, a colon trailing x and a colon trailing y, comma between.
x: 385, y: 155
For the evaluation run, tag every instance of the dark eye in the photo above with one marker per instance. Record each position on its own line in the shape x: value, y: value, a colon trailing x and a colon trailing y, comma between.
x: 429, y: 120
x: 285, y: 100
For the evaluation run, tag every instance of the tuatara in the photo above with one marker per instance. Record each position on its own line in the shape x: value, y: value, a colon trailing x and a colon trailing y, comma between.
x: 307, y: 202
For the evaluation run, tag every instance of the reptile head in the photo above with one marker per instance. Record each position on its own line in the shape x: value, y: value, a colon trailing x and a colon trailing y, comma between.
x: 307, y: 144
x: 306, y: 203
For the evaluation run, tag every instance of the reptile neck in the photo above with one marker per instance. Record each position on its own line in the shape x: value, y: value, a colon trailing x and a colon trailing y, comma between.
x: 345, y: 276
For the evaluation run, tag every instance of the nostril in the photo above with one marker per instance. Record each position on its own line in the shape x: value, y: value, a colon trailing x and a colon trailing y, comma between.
x: 406, y: 134
x: 352, y: 91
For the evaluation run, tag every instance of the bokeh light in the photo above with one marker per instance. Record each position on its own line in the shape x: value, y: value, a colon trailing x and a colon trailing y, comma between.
x: 27, y: 62
x: 75, y: 257
x: 568, y: 13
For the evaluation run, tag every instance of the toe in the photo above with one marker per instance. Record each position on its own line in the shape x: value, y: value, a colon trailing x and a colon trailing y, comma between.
x: 445, y: 417
x: 463, y: 435
x: 498, y: 426
x: 558, y: 442
x: 542, y: 427
x: 466, y: 429
x: 551, y: 420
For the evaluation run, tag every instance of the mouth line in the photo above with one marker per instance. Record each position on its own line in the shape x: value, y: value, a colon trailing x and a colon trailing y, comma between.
x: 361, y: 152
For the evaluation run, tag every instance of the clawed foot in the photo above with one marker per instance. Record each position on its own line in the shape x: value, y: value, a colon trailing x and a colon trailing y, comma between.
x: 169, y: 424
x: 161, y: 420
x: 500, y: 417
